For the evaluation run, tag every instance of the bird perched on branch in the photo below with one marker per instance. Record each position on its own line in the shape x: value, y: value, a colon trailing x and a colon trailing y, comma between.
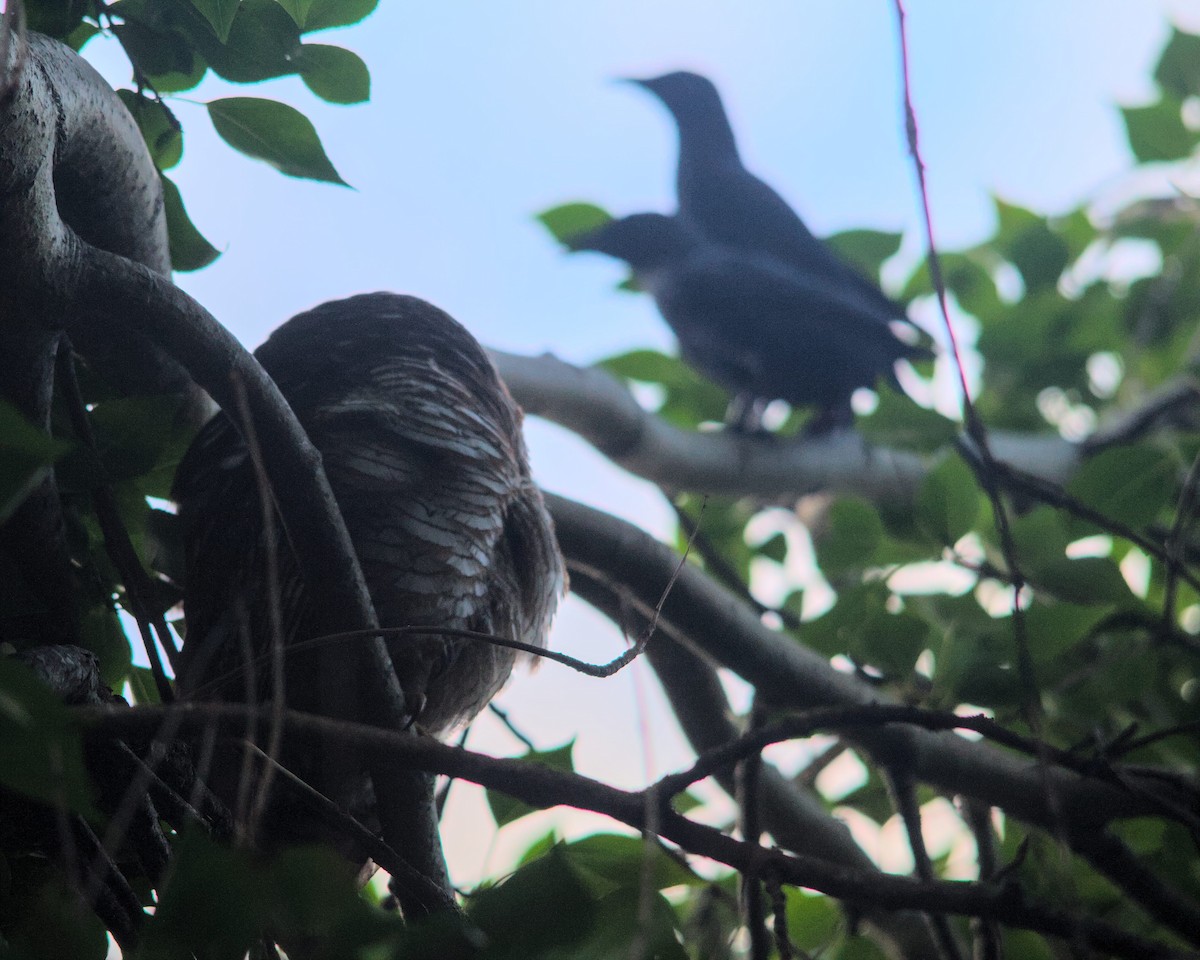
x: 423, y: 449
x: 752, y: 324
x: 726, y: 203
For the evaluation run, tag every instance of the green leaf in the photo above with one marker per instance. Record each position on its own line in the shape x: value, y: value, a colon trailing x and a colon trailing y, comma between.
x: 1131, y: 484
x: 948, y: 501
x: 1055, y: 628
x: 297, y: 10
x: 1178, y: 70
x: 133, y: 433
x: 55, y: 18
x: 333, y: 73
x: 274, y: 132
x: 323, y: 14
x: 890, y: 642
x: 774, y: 548
x: 219, y: 14
x: 648, y: 366
x: 623, y: 922
x: 609, y: 861
x: 897, y: 421
x: 141, y: 682
x: 102, y: 634
x: 854, y: 532
x: 1039, y: 536
x: 813, y: 920
x: 1027, y: 242
x: 214, y: 903
x: 159, y: 128
x: 262, y: 44
x: 686, y: 802
x: 43, y: 921
x: 548, y: 889
x: 571, y: 219
x: 41, y: 755
x: 506, y: 809
x: 1086, y: 580
x: 968, y: 279
x: 189, y: 249
x: 866, y: 249
x: 163, y: 57
x: 26, y: 453
x: 1157, y: 133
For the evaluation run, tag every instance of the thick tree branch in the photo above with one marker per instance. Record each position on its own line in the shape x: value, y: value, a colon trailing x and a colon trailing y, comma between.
x: 70, y: 149
x: 787, y: 674
x: 794, y: 817
x: 599, y: 408
x: 543, y: 787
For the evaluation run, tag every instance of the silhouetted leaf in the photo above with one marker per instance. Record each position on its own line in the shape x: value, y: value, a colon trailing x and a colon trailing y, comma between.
x: 28, y: 454
x: 898, y: 421
x: 506, y: 809
x: 866, y: 249
x: 274, y: 132
x: 298, y: 10
x: 40, y: 751
x: 189, y: 249
x: 571, y: 219
x: 1086, y: 580
x: 214, y: 904
x: 549, y: 891
x: 334, y: 73
x: 323, y: 14
x: 1156, y: 133
x: 609, y: 861
x: 1131, y: 484
x: 854, y: 532
x: 219, y: 14
x: 1178, y: 70
x: 948, y: 501
x: 774, y: 548
x: 1027, y: 242
x: 813, y: 920
x: 263, y: 43
x: 159, y: 128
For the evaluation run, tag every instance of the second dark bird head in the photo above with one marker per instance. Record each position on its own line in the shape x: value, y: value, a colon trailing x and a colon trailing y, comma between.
x: 646, y: 241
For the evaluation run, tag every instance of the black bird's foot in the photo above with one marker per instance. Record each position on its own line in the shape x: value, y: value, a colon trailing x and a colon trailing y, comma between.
x: 744, y: 416
x: 828, y: 421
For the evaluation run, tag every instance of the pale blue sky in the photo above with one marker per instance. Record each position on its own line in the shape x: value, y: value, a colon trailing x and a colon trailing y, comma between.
x: 484, y: 113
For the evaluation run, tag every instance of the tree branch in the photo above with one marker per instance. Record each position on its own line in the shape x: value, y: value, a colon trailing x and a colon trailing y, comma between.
x: 543, y: 787
x: 599, y: 408
x: 795, y: 818
x: 786, y: 674
x: 101, y: 274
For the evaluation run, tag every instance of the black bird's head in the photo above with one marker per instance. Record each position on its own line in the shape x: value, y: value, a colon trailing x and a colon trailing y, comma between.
x: 704, y: 129
x: 684, y: 93
x: 646, y: 241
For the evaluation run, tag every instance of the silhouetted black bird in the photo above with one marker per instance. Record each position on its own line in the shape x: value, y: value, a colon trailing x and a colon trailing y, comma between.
x: 726, y: 202
x: 750, y: 322
x: 423, y: 448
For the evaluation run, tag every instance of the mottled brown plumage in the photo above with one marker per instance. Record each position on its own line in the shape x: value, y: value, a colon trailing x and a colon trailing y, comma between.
x: 423, y: 449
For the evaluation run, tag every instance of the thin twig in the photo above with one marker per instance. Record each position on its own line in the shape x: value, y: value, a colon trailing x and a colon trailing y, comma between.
x: 600, y: 671
x: 138, y: 588
x: 904, y: 796
x: 502, y: 715
x: 978, y: 817
x: 270, y: 543
x: 544, y: 787
x: 746, y: 779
